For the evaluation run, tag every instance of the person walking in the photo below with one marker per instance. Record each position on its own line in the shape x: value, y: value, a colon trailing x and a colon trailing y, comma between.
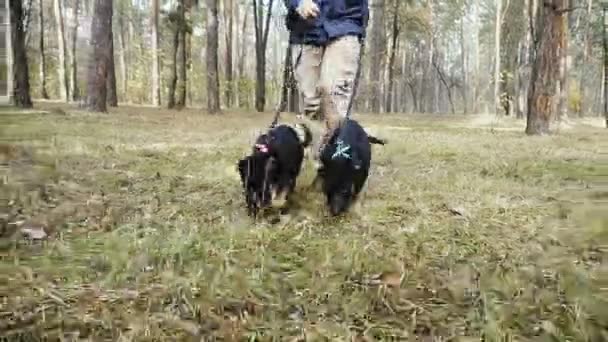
x: 326, y: 37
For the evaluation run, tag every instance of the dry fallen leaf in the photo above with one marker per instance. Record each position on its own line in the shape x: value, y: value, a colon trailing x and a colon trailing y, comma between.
x: 33, y: 231
x: 359, y: 338
x: 188, y: 326
x: 390, y: 279
x: 457, y: 211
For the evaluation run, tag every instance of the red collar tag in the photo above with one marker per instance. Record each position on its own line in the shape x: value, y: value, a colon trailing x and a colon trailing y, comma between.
x: 262, y: 148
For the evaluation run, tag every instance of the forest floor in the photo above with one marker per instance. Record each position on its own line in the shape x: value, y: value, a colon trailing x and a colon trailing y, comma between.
x: 132, y: 226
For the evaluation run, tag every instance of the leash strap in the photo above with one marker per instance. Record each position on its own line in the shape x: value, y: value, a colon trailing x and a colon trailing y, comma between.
x: 283, y: 102
x: 357, y: 78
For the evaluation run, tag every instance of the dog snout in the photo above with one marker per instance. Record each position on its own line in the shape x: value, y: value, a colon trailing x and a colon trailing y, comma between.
x: 338, y: 204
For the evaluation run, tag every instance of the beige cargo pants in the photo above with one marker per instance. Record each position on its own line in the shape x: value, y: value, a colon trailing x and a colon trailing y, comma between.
x: 325, y: 77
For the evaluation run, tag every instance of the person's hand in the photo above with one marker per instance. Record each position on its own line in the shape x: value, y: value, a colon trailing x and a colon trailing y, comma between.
x: 307, y: 9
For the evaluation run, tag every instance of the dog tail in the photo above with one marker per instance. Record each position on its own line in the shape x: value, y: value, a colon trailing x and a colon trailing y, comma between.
x: 377, y: 141
x: 304, y: 134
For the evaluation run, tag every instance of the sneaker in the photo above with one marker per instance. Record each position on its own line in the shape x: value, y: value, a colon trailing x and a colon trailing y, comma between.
x: 316, y: 158
x: 318, y: 165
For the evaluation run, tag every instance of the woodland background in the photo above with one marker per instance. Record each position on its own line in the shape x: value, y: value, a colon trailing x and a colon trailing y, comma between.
x: 421, y: 56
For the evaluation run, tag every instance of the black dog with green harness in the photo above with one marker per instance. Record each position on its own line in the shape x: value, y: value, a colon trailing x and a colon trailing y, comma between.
x: 346, y: 161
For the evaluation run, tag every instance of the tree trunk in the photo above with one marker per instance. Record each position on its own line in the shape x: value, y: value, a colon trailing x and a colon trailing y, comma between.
x: 378, y: 45
x: 122, y: 57
x: 442, y: 78
x: 181, y: 63
x: 562, y: 107
x: 63, y: 76
x: 101, y: 44
x: 173, y: 77
x: 27, y: 13
x: 21, y: 79
x: 182, y: 69
x: 261, y: 39
x: 189, y: 66
x: 586, y: 49
x: 112, y: 94
x: 229, y: 92
x: 523, y: 78
x: 182, y: 55
x: 155, y: 60
x: 527, y: 58
x: 497, y: 78
x: 213, y: 80
x: 130, y: 48
x: 391, y: 63
x: 431, y: 93
x: 605, y: 71
x: 235, y: 52
x: 476, y: 86
x: 412, y: 87
x: 465, y: 72
x: 428, y: 94
x: 260, y: 59
x: 87, y: 7
x: 403, y: 94
x: 75, y: 91
x: 43, y: 92
x: 545, y: 70
x: 242, y: 95
x: 188, y: 50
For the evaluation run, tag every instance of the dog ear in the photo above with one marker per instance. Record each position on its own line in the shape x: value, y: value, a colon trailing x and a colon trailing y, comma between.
x: 242, y: 166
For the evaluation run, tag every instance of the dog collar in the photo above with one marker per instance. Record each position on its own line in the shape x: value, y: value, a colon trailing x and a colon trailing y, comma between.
x: 262, y: 148
x: 341, y: 150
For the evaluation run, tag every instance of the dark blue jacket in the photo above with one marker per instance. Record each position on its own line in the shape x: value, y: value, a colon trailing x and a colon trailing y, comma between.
x: 336, y: 18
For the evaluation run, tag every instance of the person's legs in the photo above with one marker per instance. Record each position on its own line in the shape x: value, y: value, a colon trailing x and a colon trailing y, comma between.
x: 307, y: 69
x: 338, y: 72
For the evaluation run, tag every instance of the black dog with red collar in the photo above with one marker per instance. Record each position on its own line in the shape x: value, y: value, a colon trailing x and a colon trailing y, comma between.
x: 269, y: 173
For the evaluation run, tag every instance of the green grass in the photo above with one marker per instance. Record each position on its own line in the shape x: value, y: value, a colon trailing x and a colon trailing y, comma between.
x: 465, y: 233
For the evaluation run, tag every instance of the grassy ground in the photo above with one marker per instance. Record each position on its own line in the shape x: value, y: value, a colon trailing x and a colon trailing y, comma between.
x: 468, y: 231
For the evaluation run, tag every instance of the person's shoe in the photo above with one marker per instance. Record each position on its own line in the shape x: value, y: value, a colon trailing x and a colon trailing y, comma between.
x: 317, y: 155
x: 317, y: 182
x: 318, y: 165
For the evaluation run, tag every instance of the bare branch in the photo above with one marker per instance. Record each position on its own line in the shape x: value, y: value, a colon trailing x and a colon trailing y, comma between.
x: 504, y: 12
x: 568, y: 10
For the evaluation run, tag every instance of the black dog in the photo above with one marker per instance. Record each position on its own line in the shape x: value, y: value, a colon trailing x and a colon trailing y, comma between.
x: 345, y: 163
x: 269, y: 173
